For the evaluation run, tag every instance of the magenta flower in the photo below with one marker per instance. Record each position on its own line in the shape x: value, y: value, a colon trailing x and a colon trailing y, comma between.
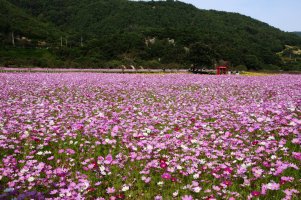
x: 166, y: 176
x: 255, y: 194
x: 228, y: 170
x: 163, y: 165
x: 78, y: 126
x: 227, y: 183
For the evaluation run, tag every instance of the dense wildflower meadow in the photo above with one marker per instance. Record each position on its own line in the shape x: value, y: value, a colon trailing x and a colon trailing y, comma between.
x: 177, y: 136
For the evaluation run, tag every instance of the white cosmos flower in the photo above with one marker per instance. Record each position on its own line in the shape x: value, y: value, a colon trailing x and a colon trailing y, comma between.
x: 197, y: 189
x: 26, y: 133
x: 30, y: 179
x: 149, y: 147
x: 202, y: 161
x: 194, y: 141
x: 125, y: 188
x: 160, y: 183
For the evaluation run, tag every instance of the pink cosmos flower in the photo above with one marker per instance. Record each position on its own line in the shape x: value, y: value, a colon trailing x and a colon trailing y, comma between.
x: 289, y: 193
x: 266, y: 164
x: 287, y: 178
x: 297, y: 155
x: 269, y: 186
x: 273, y: 186
x: 227, y: 183
x: 61, y: 151
x: 108, y: 159
x: 114, y: 131
x: 91, y: 166
x: 257, y: 171
x: 147, y: 180
x: 100, y: 159
x: 53, y: 192
x: 78, y: 126
x: 166, y: 176
x: 110, y: 190
x: 158, y: 197
x: 61, y: 172
x: 228, y: 170
x: 70, y: 151
x: 97, y: 183
x: 186, y: 197
x: 50, y: 158
x: 216, y: 188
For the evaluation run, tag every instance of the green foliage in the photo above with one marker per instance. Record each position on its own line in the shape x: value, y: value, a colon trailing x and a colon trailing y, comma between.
x: 240, y: 68
x: 114, y: 64
x: 252, y: 62
x: 17, y: 20
x: 297, y: 33
x: 270, y: 67
x: 202, y: 55
x: 94, y: 32
x: 153, y: 64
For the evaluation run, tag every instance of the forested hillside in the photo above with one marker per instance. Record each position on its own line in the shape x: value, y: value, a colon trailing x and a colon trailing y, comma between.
x: 109, y: 33
x: 297, y: 33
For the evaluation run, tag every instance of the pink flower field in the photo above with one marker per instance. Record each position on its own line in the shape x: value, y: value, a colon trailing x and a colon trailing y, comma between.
x: 176, y: 136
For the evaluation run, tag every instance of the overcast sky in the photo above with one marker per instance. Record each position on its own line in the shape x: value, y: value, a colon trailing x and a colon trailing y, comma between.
x: 283, y: 14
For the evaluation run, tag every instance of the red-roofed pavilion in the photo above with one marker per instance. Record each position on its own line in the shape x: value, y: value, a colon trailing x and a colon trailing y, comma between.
x: 221, y: 70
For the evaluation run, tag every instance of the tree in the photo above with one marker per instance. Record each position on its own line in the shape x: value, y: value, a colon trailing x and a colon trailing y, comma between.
x: 202, y: 55
x: 252, y: 62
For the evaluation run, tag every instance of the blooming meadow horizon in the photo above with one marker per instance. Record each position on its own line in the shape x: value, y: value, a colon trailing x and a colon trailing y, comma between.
x: 175, y: 136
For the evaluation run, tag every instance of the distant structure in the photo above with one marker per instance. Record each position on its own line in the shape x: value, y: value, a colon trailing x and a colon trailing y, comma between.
x: 221, y: 70
x: 171, y: 41
x: 150, y: 41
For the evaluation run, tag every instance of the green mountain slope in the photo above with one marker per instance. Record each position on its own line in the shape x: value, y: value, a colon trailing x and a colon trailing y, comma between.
x: 15, y: 20
x: 114, y: 32
x: 297, y: 33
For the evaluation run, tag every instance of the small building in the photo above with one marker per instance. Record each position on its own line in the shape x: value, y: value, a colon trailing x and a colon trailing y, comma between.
x: 221, y: 70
